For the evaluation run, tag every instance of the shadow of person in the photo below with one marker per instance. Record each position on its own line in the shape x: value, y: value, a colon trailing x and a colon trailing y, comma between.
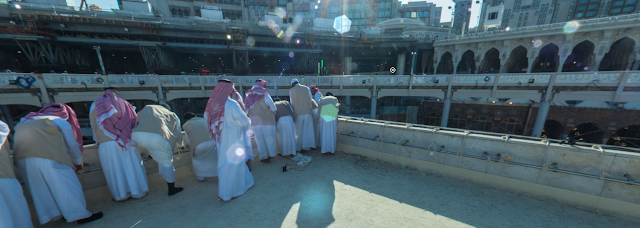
x: 316, y: 203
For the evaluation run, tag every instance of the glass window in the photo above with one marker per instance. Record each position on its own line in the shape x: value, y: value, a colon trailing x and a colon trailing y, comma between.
x: 510, y: 126
x: 613, y: 11
x: 414, y: 14
x: 420, y: 14
x: 407, y: 15
x: 387, y: 14
x: 618, y: 3
x: 631, y: 1
x: 579, y: 15
x: 593, y: 6
x: 482, y: 124
x: 591, y: 13
x: 583, y: 1
x: 580, y: 8
x: 426, y: 13
x: 627, y: 9
x: 432, y: 119
x: 457, y: 121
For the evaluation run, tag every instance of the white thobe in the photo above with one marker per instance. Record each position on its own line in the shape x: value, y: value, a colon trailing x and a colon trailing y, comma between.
x: 123, y: 168
x: 328, y: 130
x: 305, y: 131
x: 266, y: 134
x: 161, y: 151
x: 14, y: 211
x: 316, y: 117
x: 286, y: 136
x: 54, y: 187
x: 205, y: 159
x: 234, y: 177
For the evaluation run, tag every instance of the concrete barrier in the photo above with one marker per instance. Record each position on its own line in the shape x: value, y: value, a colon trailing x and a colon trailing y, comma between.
x: 592, y: 178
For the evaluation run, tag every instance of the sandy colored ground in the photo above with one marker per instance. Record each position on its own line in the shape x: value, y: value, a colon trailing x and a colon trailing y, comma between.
x: 344, y: 191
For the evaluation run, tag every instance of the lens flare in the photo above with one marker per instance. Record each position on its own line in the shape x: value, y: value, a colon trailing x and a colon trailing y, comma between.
x: 240, y: 152
x: 571, y: 27
x: 249, y: 133
x: 291, y: 54
x: 537, y: 43
x: 251, y: 41
x: 281, y: 12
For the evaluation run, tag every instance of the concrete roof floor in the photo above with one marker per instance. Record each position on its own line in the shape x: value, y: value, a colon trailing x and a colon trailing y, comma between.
x: 344, y: 191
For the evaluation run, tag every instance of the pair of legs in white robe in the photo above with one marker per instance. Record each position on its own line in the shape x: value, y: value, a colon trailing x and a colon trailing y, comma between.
x: 328, y: 134
x: 55, y: 189
x: 265, y: 139
x: 14, y: 211
x: 124, y: 170
x: 205, y: 160
x: 161, y: 152
x: 305, y: 133
x: 286, y: 136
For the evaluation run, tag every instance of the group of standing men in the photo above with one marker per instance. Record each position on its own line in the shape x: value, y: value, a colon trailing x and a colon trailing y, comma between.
x: 48, y: 146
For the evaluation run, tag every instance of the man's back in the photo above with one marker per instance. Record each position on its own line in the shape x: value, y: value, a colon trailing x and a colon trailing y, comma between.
x: 159, y: 120
x: 301, y: 100
x: 40, y: 138
x: 197, y: 131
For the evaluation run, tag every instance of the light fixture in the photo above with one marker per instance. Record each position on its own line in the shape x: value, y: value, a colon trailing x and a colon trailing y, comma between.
x: 17, y: 6
x: 493, y: 102
x: 532, y: 80
x: 510, y: 102
x: 126, y: 29
x: 228, y: 37
x: 63, y: 25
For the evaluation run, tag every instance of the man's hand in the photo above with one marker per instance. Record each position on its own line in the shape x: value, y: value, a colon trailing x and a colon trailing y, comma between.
x: 79, y: 167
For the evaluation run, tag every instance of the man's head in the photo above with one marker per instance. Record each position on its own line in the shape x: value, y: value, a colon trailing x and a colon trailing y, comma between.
x: 294, y: 82
x: 261, y: 83
x: 313, y: 89
x: 225, y: 83
x: 329, y: 94
x: 187, y: 116
x: 112, y: 88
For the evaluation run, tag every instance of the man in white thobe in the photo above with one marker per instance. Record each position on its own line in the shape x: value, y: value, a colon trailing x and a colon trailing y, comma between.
x: 285, y: 129
x: 262, y: 114
x: 158, y: 131
x: 14, y: 211
x: 112, y: 119
x: 227, y: 122
x: 303, y: 104
x: 328, y: 123
x: 317, y: 95
x: 203, y: 149
x: 47, y: 156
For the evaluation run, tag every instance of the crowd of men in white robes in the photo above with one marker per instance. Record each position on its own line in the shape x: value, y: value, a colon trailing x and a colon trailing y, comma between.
x: 220, y: 143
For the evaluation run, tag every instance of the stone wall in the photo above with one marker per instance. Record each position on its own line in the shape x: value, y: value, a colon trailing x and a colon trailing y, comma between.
x: 594, y: 173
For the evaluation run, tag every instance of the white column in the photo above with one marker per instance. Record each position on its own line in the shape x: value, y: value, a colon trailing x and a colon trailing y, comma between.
x: 347, y: 102
x: 445, y: 112
x: 401, y: 62
x: 347, y: 65
x: 541, y: 119
x: 374, y: 99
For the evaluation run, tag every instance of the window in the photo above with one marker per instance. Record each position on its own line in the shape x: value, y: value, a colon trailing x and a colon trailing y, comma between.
x: 407, y: 15
x: 426, y: 13
x: 627, y: 9
x: 510, y: 126
x: 457, y: 121
x: 414, y: 14
x: 526, y: 15
x: 493, y: 16
x: 520, y: 21
x: 482, y: 124
x: 432, y: 119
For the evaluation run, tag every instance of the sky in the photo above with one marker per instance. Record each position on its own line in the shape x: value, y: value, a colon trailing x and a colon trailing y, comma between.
x: 446, y: 13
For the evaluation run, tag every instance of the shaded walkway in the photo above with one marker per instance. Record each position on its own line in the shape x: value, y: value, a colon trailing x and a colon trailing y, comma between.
x: 345, y: 190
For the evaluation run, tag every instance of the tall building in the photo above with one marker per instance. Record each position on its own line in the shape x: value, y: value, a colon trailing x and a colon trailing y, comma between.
x: 500, y: 14
x: 231, y: 9
x: 368, y: 13
x: 462, y: 15
x: 426, y: 12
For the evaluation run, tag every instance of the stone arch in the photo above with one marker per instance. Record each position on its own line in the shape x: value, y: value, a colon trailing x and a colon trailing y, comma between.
x: 467, y: 64
x: 491, y: 61
x: 581, y: 57
x: 446, y: 64
x: 547, y: 59
x: 620, y: 55
x: 587, y: 132
x: 518, y: 61
x: 552, y: 130
x: 627, y: 137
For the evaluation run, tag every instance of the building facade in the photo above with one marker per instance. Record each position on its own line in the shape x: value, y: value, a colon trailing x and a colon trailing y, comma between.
x: 428, y: 13
x: 462, y: 15
x: 502, y: 14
